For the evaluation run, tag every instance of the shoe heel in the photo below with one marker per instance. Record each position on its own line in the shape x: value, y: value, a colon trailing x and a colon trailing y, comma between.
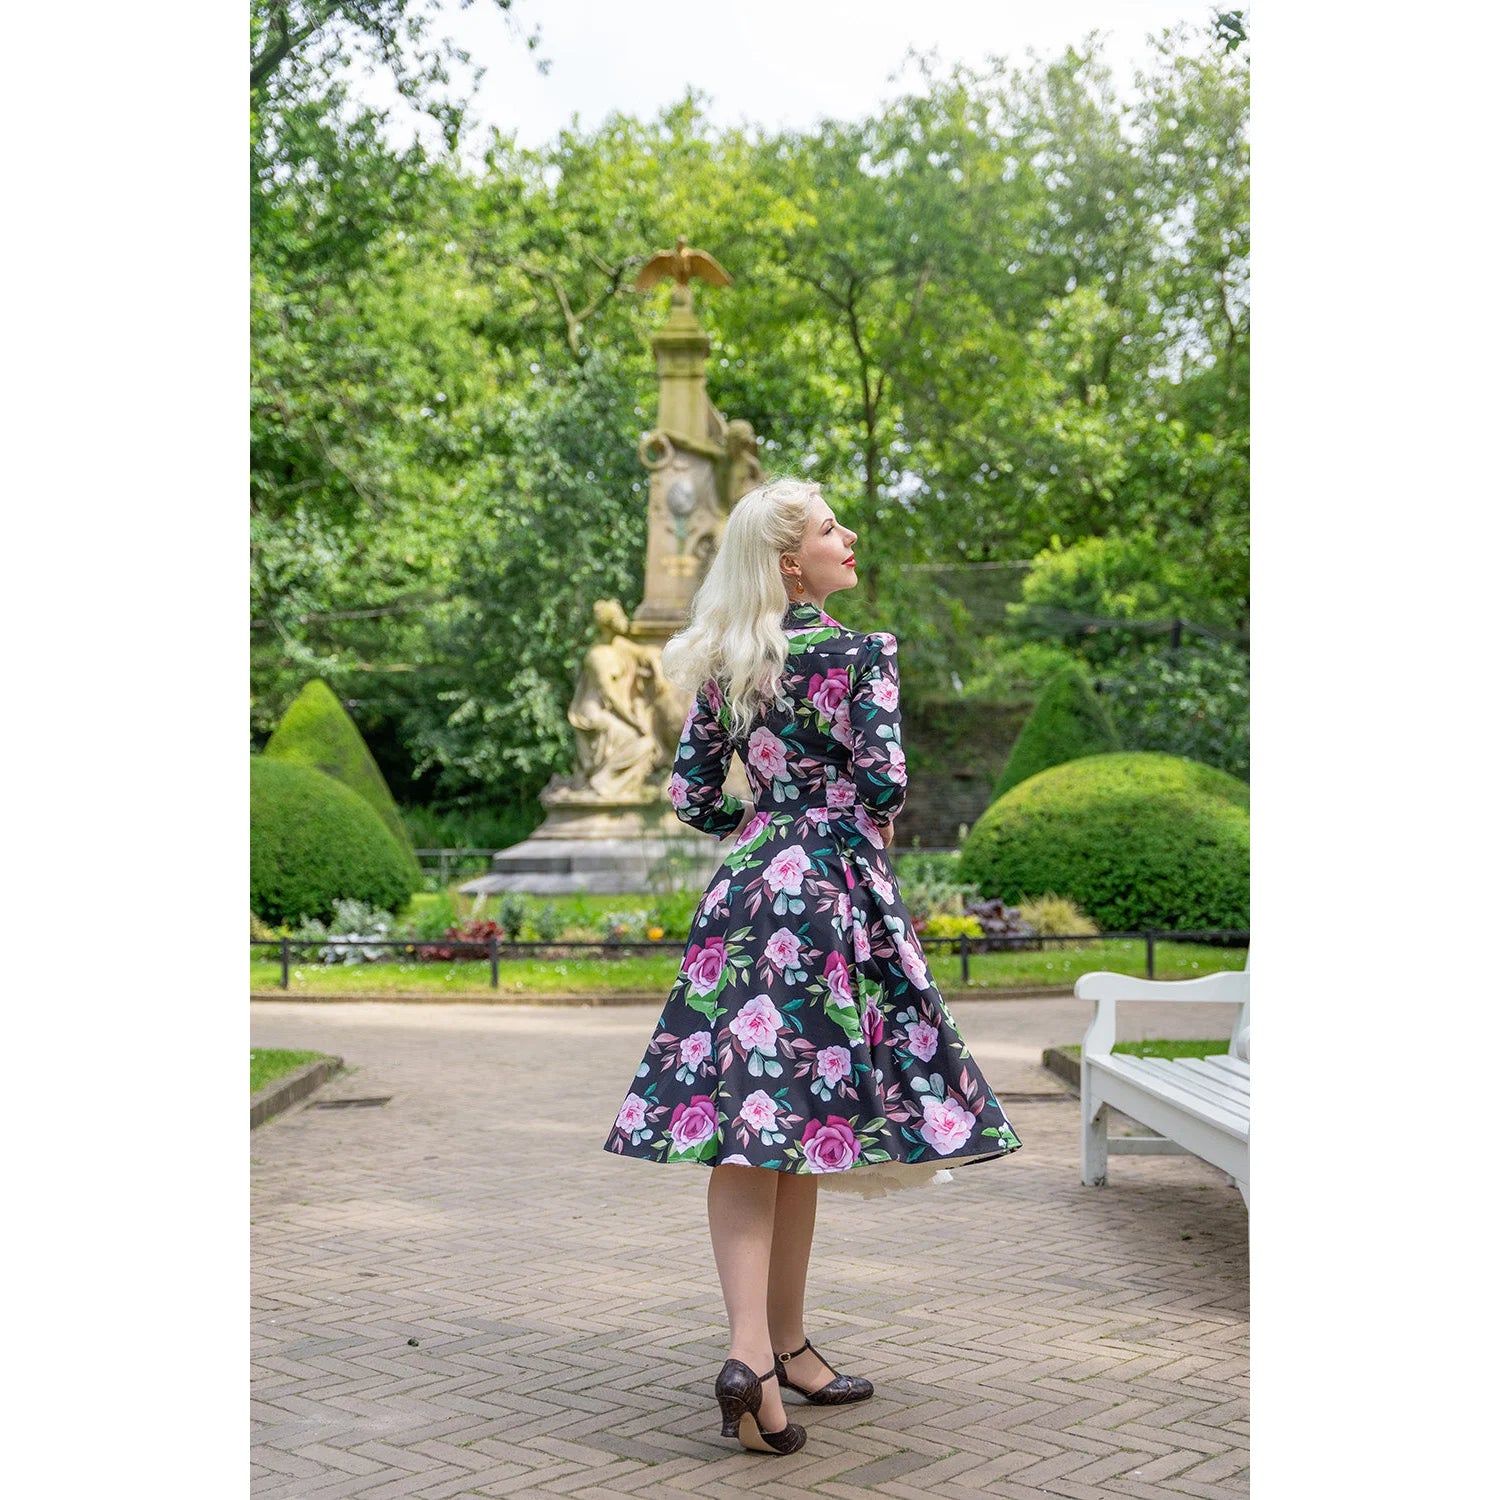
x: 737, y: 1391
x: 731, y: 1408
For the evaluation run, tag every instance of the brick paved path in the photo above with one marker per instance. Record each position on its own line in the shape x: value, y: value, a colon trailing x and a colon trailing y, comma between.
x: 1026, y: 1335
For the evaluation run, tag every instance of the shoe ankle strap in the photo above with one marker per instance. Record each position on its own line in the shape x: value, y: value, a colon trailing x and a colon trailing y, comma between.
x: 805, y: 1344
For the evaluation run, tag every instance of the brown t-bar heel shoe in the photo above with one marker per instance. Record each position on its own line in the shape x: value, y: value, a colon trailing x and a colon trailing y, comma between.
x: 737, y: 1391
x: 840, y: 1389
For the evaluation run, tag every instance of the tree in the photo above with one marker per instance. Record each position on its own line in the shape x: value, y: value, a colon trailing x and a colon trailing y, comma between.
x: 1007, y: 307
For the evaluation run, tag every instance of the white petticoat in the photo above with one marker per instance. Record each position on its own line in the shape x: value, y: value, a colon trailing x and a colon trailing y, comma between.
x: 883, y: 1177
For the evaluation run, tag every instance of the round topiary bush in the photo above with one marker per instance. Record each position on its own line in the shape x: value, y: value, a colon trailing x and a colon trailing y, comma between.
x: 317, y: 731
x: 1067, y: 723
x: 1136, y: 839
x: 312, y: 841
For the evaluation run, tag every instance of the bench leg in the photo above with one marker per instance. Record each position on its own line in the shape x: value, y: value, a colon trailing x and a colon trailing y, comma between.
x: 1094, y: 1138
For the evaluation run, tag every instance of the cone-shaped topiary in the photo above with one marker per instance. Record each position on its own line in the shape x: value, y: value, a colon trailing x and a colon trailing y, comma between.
x: 317, y: 731
x: 1136, y: 838
x: 1067, y: 722
x: 314, y: 840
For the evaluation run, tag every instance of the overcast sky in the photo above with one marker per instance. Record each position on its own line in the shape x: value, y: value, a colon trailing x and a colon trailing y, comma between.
x: 770, y: 63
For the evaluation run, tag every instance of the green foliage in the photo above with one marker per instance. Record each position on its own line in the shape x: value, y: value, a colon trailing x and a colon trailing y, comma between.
x: 352, y: 925
x: 313, y: 841
x: 1193, y: 702
x: 1067, y: 722
x: 948, y: 925
x: 1138, y: 840
x: 432, y: 914
x: 315, y: 731
x: 673, y: 913
x: 1072, y: 590
x: 476, y: 827
x: 1011, y: 305
x: 930, y: 885
x: 1015, y: 672
x: 1051, y: 915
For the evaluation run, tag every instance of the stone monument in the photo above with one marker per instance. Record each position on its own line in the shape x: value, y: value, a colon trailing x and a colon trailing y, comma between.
x: 609, y: 826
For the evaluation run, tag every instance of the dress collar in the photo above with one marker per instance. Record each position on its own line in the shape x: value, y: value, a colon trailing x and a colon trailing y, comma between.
x: 804, y: 615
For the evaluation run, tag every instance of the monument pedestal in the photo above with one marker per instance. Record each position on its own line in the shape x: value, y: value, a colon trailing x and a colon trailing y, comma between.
x: 603, y: 849
x: 609, y: 827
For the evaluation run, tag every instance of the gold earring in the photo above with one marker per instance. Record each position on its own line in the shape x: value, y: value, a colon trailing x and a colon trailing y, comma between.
x: 799, y: 585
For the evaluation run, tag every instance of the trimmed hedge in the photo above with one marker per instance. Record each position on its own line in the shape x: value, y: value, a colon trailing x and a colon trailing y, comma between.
x: 317, y: 731
x: 314, y: 840
x: 1137, y: 839
x: 1068, y: 722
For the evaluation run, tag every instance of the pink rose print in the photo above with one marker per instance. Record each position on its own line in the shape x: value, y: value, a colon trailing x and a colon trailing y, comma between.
x: 828, y: 690
x: 914, y: 964
x: 632, y: 1114
x: 898, y: 763
x: 883, y: 887
x: 830, y: 1145
x: 677, y: 791
x: 766, y: 754
x: 695, y: 1048
x: 836, y: 972
x: 757, y: 1025
x: 887, y: 641
x: 922, y: 1040
x: 703, y: 965
x: 833, y: 1064
x: 735, y: 1161
x: 716, y: 896
x: 883, y: 692
x: 841, y: 909
x: 752, y: 828
x: 713, y: 695
x: 945, y: 1126
x: 839, y: 726
x: 782, y: 947
x: 872, y: 1023
x: 840, y: 794
x: 861, y: 944
x: 693, y: 1122
x: 786, y: 870
x: 759, y: 1111
x: 867, y: 826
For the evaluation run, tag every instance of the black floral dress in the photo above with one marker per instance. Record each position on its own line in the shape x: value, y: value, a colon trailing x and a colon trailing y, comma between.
x: 803, y: 1031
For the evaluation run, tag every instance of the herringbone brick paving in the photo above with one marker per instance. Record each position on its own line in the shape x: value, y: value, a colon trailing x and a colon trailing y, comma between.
x: 1026, y: 1335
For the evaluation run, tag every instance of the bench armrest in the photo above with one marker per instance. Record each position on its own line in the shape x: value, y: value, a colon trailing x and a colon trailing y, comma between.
x: 1105, y: 988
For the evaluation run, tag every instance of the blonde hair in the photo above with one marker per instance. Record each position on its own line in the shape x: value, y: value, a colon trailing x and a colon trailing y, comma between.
x: 734, y: 631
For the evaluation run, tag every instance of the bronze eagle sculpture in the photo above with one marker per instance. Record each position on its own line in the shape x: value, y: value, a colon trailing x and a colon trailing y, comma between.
x: 681, y: 264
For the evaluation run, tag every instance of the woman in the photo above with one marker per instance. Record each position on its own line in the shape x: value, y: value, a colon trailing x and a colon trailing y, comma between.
x: 803, y: 1032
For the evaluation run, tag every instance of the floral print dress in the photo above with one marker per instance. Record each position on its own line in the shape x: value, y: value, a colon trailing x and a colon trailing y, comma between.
x: 803, y: 1031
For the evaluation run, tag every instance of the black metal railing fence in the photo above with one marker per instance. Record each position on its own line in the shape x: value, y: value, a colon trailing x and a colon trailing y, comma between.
x: 494, y: 949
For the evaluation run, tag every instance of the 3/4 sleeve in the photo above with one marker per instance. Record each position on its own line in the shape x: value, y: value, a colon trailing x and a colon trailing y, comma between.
x: 877, y: 761
x: 696, y: 790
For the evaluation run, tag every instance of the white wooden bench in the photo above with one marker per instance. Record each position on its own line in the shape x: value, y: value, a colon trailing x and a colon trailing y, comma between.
x: 1196, y: 1105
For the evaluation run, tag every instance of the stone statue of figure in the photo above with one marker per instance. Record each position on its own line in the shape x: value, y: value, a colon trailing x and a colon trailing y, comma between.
x: 743, y: 448
x: 613, y: 713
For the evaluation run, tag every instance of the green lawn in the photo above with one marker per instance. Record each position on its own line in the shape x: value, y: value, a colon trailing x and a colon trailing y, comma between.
x: 1057, y: 964
x: 1164, y: 1047
x: 268, y: 1063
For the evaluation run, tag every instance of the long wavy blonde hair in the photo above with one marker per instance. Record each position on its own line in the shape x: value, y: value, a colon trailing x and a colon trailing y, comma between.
x: 734, y: 629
